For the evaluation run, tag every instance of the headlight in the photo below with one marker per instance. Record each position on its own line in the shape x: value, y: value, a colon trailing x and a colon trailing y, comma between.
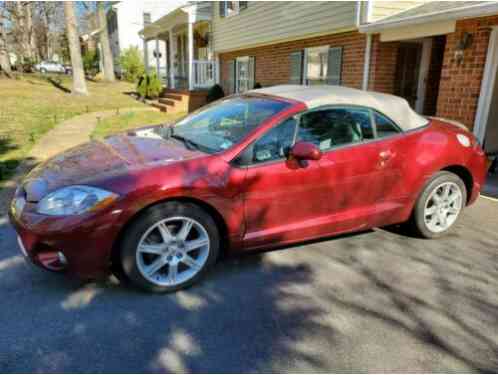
x: 74, y: 200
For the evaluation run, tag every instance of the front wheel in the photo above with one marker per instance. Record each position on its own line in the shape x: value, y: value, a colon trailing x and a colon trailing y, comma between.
x: 439, y: 206
x: 170, y: 247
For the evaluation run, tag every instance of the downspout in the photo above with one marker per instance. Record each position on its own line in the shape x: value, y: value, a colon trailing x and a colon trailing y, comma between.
x: 368, y: 47
x: 366, y: 67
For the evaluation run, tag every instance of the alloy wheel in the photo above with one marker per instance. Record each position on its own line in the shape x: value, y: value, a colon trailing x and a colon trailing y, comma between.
x: 442, y: 207
x: 172, y: 251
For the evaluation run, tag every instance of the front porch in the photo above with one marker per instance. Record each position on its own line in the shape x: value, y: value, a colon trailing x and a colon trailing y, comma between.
x: 181, y: 48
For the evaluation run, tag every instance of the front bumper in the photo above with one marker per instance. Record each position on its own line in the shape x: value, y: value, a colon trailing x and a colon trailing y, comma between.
x: 83, y: 242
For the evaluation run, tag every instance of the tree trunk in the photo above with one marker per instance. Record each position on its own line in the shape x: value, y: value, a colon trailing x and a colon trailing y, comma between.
x: 79, y: 84
x: 106, y: 45
x: 30, y: 38
x: 4, y: 54
x: 20, y: 36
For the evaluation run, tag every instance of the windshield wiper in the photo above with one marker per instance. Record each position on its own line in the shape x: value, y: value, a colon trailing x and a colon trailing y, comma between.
x: 187, y: 142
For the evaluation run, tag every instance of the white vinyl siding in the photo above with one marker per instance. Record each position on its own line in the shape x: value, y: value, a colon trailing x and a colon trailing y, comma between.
x: 266, y: 22
x: 381, y: 9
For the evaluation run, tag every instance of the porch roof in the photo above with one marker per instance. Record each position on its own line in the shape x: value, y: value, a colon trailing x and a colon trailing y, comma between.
x: 431, y: 12
x: 182, y: 15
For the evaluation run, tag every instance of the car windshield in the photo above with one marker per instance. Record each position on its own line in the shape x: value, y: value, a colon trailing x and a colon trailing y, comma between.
x: 223, y: 124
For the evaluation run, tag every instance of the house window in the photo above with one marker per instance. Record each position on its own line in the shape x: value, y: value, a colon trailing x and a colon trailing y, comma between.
x: 231, y: 8
x: 317, y: 66
x: 244, y: 74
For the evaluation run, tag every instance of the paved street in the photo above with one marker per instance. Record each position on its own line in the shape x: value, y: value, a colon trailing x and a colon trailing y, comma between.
x: 376, y: 301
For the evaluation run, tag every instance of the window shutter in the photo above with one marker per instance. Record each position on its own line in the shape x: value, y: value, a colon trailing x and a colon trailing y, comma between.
x: 231, y: 77
x: 296, y: 69
x: 334, y: 66
x: 252, y: 72
x: 242, y: 5
x: 222, y: 8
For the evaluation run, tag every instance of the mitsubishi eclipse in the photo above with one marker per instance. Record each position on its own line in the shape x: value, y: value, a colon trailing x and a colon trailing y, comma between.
x: 267, y: 168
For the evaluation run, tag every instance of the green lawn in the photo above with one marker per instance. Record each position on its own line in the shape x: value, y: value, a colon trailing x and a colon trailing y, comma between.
x: 31, y: 105
x: 131, y: 119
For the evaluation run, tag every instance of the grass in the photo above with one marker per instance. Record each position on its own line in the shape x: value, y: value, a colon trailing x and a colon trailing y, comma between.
x: 32, y: 105
x: 130, y: 120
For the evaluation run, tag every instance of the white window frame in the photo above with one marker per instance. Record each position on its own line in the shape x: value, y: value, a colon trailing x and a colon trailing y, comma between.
x: 230, y: 12
x: 240, y: 59
x: 305, y: 63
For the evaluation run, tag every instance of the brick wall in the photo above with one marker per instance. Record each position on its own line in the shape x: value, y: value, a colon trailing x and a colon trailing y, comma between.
x: 273, y: 63
x: 461, y: 83
x: 383, y: 60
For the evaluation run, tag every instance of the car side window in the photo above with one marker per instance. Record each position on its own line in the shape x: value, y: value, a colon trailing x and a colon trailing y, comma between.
x: 335, y: 127
x: 385, y: 127
x: 275, y: 143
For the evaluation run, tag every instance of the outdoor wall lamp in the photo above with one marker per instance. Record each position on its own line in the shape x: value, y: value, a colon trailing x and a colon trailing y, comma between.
x: 464, y: 43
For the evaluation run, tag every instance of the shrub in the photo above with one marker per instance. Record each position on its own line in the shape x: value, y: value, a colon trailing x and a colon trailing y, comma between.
x: 132, y: 65
x: 215, y: 93
x: 91, y: 62
x: 149, y: 86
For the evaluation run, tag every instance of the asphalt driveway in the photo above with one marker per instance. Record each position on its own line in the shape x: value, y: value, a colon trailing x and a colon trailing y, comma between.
x: 376, y: 301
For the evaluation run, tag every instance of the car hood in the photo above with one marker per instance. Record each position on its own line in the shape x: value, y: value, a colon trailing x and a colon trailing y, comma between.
x: 99, y: 160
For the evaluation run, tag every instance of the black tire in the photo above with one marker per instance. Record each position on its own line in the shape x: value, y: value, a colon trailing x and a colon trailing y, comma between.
x: 417, y: 221
x: 148, y: 218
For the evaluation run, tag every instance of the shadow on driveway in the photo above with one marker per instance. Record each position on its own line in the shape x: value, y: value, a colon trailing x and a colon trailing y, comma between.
x: 376, y: 301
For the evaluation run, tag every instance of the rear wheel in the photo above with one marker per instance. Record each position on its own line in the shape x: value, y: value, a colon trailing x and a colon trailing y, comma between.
x: 439, y: 206
x: 170, y: 247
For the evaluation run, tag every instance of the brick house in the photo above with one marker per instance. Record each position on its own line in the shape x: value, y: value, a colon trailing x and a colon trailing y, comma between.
x: 270, y: 43
x: 441, y: 56
x: 241, y: 43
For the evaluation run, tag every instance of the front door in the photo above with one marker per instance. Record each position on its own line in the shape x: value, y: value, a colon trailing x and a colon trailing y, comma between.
x: 407, y: 71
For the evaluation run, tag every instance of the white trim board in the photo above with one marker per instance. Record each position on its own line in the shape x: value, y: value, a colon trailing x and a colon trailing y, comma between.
x: 425, y: 61
x: 418, y: 31
x: 487, y: 84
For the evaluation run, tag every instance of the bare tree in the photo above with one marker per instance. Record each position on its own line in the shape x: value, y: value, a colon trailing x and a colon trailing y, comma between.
x: 4, y: 53
x: 30, y: 40
x: 20, y: 25
x: 47, y: 21
x: 105, y: 43
x: 79, y: 84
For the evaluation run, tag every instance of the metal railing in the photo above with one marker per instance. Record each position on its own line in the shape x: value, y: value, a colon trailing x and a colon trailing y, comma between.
x: 204, y: 73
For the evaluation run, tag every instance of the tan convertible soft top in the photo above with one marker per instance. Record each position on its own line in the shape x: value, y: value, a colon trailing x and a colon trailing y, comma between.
x: 396, y: 108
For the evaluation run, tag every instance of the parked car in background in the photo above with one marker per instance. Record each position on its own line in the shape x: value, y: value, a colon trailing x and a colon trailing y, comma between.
x: 267, y: 168
x: 50, y: 67
x: 68, y: 69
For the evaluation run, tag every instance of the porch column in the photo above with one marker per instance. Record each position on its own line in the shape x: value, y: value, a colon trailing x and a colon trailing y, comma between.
x: 171, y: 55
x: 146, y: 56
x: 190, y: 55
x: 158, y: 59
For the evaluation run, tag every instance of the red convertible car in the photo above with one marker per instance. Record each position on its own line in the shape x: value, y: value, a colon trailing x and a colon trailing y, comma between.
x: 267, y: 168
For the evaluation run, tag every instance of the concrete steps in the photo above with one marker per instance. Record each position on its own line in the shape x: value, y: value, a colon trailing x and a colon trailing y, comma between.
x: 156, y: 104
x: 177, y: 101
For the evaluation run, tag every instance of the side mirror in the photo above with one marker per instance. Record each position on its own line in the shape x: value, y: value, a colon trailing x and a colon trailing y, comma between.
x: 305, y: 151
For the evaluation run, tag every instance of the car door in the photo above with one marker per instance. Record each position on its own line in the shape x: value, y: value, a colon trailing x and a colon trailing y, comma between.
x: 351, y: 165
x: 393, y: 146
x: 282, y: 198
